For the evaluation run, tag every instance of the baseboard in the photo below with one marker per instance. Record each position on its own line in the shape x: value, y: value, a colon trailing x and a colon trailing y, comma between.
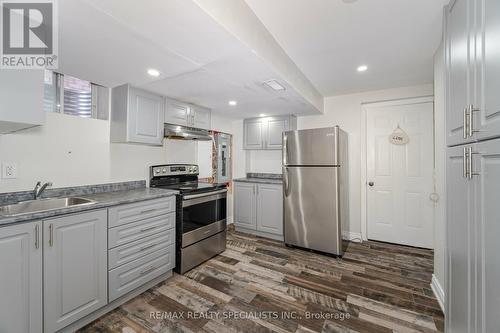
x: 438, y: 292
x: 229, y: 220
x: 351, y: 236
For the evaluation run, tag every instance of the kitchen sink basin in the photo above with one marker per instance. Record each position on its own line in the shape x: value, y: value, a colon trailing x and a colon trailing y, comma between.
x: 43, y: 205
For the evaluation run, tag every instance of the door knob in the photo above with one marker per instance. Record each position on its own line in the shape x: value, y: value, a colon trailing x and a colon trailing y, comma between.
x: 371, y: 183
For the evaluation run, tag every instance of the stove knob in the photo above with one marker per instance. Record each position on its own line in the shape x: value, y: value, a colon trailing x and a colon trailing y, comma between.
x: 164, y: 170
x: 157, y: 170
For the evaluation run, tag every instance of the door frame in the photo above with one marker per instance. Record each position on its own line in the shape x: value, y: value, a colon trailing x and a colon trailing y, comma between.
x: 365, y: 106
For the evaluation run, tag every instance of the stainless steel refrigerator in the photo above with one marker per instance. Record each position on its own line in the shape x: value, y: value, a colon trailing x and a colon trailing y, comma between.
x: 315, y: 188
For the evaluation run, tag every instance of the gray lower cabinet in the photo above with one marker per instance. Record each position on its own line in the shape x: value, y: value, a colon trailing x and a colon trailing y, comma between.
x: 21, y: 278
x: 259, y: 207
x: 141, y: 244
x: 75, y: 267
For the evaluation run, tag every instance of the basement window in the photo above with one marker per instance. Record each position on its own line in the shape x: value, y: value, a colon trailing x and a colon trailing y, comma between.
x: 73, y: 96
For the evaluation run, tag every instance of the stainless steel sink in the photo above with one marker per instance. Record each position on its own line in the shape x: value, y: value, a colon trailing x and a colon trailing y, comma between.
x: 43, y: 205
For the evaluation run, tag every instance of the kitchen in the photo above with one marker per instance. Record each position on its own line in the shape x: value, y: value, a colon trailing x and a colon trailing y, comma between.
x: 245, y: 165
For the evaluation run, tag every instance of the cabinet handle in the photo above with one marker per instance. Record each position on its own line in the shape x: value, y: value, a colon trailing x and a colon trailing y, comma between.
x: 37, y: 235
x: 471, y: 120
x: 465, y: 165
x: 470, y: 164
x: 465, y: 129
x: 51, y: 235
x: 147, y: 247
x: 257, y: 188
x: 147, y: 229
x: 253, y: 189
x: 148, y: 211
x: 148, y: 270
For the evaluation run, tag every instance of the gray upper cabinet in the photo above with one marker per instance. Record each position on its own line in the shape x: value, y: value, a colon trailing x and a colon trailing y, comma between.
x: 485, y: 122
x: 21, y: 278
x: 458, y: 67
x: 473, y: 71
x: 21, y: 100
x: 266, y: 133
x: 185, y: 114
x: 137, y: 116
x: 253, y: 134
x: 75, y: 267
x: 177, y: 112
x: 201, y: 117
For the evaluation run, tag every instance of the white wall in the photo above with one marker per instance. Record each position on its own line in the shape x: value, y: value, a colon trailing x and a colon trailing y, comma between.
x: 440, y: 160
x: 345, y: 111
x: 72, y: 151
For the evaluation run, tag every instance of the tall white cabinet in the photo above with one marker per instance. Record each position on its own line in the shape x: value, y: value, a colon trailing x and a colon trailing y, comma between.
x: 75, y: 267
x: 473, y: 165
x: 21, y: 278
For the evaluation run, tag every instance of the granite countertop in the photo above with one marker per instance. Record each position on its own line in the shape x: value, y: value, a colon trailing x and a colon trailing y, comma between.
x: 261, y: 178
x: 115, y: 195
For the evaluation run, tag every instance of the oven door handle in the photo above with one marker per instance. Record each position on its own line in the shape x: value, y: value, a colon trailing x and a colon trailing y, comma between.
x: 207, y: 194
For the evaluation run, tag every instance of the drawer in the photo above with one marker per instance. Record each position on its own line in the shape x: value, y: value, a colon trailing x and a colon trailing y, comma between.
x: 137, y: 230
x: 128, y: 252
x: 138, y: 272
x: 125, y: 214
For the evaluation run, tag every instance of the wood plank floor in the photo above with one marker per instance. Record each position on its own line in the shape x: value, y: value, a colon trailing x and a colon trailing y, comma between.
x: 259, y: 285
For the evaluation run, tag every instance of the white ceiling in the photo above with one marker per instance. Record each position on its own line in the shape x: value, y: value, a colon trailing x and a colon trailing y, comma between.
x: 112, y: 42
x: 329, y: 39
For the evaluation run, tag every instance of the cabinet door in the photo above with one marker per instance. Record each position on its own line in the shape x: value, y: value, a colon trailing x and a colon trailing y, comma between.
x: 253, y: 134
x: 458, y: 69
x: 487, y: 100
x: 244, y: 205
x: 146, y: 112
x: 201, y: 117
x: 21, y: 278
x: 274, y: 135
x: 75, y: 267
x: 177, y: 113
x: 270, y: 208
x: 459, y: 304
x: 486, y: 163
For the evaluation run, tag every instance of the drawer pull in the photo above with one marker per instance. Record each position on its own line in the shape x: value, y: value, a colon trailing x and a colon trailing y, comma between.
x: 147, y: 229
x: 147, y: 247
x: 148, y: 270
x: 148, y: 211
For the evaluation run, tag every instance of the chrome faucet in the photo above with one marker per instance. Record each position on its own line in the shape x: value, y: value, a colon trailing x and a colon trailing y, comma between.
x: 39, y: 188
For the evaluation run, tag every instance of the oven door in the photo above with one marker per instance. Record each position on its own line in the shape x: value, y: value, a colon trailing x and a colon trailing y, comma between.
x: 203, y: 215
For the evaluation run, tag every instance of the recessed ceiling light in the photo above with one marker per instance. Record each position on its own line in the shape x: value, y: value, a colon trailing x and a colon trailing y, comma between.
x: 362, y: 68
x: 262, y: 115
x: 275, y: 85
x: 154, y: 72
x: 233, y: 103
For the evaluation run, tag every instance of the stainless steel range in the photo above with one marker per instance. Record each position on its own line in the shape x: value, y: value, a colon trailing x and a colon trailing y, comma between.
x: 201, y: 213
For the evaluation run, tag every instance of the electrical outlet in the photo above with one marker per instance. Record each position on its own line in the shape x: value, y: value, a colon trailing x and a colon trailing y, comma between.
x: 9, y: 170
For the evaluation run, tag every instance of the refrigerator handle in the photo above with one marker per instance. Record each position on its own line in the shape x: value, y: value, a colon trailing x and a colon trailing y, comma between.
x: 285, y: 150
x: 285, y: 181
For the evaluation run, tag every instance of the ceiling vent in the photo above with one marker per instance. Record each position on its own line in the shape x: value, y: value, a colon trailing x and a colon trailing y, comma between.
x: 274, y: 85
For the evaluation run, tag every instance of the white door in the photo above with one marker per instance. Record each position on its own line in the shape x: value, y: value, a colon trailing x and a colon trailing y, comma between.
x: 400, y: 177
x: 244, y: 205
x: 146, y: 117
x: 270, y: 208
x: 21, y: 278
x: 75, y: 267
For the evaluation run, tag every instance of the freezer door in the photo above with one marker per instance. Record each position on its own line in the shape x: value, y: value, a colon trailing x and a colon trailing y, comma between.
x: 312, y: 209
x: 311, y: 147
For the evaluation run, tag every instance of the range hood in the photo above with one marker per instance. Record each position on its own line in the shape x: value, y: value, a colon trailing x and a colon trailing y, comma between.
x: 186, y: 133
